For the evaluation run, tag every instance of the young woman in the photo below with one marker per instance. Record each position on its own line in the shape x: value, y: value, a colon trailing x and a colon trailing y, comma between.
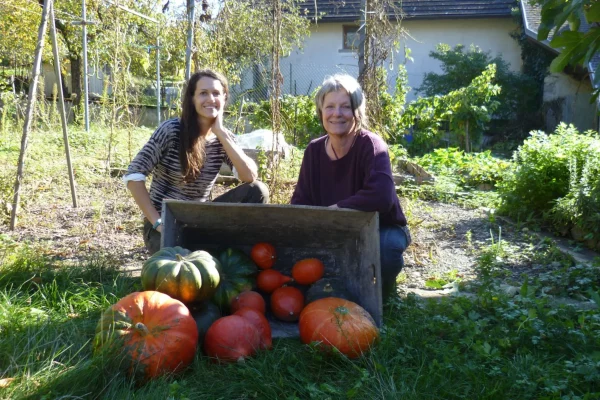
x: 350, y: 167
x: 184, y: 156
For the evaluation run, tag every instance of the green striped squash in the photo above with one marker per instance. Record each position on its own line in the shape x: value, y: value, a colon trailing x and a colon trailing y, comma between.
x: 186, y: 276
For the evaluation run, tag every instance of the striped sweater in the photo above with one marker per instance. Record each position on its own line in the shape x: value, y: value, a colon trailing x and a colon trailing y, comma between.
x: 160, y: 157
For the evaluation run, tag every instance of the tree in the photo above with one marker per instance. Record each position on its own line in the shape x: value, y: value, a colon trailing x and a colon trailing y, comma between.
x: 241, y: 35
x: 520, y: 98
x: 563, y: 18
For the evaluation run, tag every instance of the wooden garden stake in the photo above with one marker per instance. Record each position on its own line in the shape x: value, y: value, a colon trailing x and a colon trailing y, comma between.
x: 63, y: 117
x: 37, y: 62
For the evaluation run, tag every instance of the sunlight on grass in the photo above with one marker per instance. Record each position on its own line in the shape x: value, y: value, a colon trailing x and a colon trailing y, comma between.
x: 487, y: 347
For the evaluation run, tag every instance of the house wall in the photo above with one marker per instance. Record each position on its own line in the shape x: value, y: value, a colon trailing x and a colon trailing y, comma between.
x: 95, y: 79
x: 568, y: 100
x: 323, y: 54
x: 50, y: 79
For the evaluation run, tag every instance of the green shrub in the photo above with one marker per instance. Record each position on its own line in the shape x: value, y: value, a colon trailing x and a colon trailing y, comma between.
x: 471, y: 169
x: 465, y: 112
x: 555, y: 177
x: 519, y: 101
x: 298, y: 117
x: 580, y: 208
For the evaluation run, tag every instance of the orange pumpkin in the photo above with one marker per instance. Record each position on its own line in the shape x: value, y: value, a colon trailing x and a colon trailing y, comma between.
x: 263, y: 254
x: 261, y: 323
x: 248, y: 299
x: 338, y: 323
x: 287, y: 303
x: 269, y: 280
x: 154, y: 333
x: 308, y: 271
x: 232, y: 338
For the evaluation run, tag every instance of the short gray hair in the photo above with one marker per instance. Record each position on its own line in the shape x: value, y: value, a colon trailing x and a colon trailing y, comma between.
x: 351, y: 86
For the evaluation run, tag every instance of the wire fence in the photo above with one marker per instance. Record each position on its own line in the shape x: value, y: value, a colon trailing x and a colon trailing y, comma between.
x: 298, y: 79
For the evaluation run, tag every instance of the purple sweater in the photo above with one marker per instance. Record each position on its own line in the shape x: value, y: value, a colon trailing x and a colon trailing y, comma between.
x: 361, y: 180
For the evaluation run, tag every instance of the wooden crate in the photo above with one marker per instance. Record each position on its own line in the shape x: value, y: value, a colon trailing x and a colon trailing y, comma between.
x: 347, y: 241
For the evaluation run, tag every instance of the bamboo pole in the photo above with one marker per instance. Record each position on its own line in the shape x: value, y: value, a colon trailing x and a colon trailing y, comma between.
x: 63, y: 117
x: 190, y: 39
x: 35, y: 73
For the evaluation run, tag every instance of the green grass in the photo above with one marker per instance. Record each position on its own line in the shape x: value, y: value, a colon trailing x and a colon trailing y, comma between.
x: 485, y: 347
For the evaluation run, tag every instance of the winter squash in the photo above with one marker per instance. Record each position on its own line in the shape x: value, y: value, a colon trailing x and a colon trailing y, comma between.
x: 205, y: 314
x: 249, y: 299
x: 183, y: 275
x: 286, y: 303
x: 328, y: 287
x: 263, y: 254
x: 308, y: 271
x: 238, y: 274
x: 271, y: 279
x: 261, y: 323
x: 231, y: 338
x: 154, y: 333
x: 338, y: 323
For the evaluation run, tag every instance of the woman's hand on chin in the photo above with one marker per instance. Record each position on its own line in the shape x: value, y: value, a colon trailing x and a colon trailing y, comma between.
x: 217, y: 127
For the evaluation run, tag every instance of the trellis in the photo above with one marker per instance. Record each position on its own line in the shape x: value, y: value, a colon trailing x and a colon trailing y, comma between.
x: 47, y: 14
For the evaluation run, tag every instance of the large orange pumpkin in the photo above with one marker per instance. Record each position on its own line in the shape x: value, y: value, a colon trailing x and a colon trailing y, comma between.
x: 231, y: 338
x: 308, y: 271
x: 154, y: 333
x: 338, y: 323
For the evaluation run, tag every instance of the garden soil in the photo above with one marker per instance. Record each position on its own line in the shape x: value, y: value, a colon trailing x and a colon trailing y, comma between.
x: 447, y: 240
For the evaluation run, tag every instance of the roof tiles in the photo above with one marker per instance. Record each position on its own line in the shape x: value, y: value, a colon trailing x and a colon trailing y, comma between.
x: 350, y: 10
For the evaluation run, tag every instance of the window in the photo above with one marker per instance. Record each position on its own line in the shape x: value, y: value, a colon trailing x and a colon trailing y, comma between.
x: 351, y: 37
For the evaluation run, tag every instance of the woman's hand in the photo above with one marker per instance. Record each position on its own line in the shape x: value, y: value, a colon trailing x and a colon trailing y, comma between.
x: 218, y: 128
x: 244, y: 165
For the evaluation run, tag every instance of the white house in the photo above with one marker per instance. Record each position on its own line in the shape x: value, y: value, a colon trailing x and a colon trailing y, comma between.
x: 331, y: 45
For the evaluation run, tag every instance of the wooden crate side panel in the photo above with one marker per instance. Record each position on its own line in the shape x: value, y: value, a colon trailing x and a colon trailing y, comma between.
x: 346, y: 241
x: 243, y: 223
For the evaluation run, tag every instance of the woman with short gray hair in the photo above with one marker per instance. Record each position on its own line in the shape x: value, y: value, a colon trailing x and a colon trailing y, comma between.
x: 349, y: 167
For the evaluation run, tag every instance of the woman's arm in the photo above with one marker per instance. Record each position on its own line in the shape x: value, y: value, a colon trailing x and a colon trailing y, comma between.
x: 142, y: 198
x: 244, y: 165
x: 378, y: 192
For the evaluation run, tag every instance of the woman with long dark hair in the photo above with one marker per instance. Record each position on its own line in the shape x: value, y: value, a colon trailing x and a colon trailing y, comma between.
x: 184, y: 156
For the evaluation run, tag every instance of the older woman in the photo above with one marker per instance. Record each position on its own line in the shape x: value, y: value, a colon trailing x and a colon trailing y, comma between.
x: 350, y: 167
x: 184, y: 156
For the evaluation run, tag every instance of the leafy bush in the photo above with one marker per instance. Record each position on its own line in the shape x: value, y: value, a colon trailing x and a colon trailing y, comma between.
x: 556, y: 177
x: 465, y: 112
x: 298, y: 117
x: 519, y: 101
x: 472, y: 169
x: 579, y: 211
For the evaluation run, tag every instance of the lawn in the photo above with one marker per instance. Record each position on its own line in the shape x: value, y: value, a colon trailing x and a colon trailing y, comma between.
x: 62, y: 267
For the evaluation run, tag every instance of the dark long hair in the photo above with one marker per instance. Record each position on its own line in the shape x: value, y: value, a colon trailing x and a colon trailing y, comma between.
x: 191, y: 148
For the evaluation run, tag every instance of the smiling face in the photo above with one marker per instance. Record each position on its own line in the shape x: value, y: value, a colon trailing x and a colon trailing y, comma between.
x: 338, y: 117
x: 209, y: 99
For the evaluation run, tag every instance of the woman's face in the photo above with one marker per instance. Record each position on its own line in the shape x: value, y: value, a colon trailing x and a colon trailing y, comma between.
x: 338, y: 118
x: 209, y: 98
